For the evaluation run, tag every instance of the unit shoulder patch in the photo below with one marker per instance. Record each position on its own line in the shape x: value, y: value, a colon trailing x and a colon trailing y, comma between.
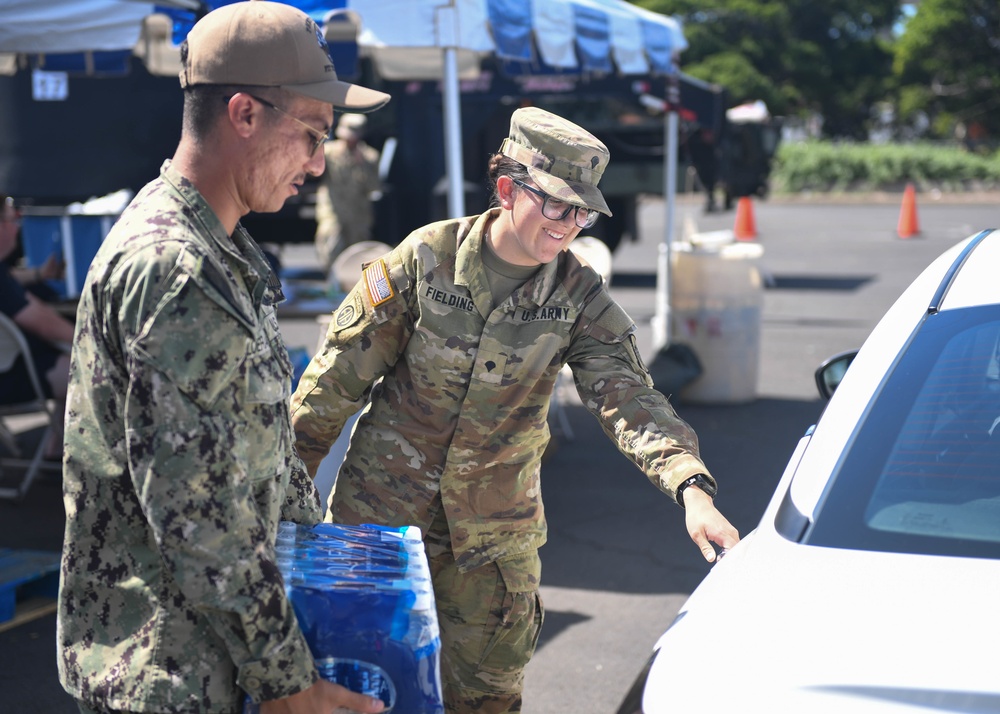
x: 346, y: 315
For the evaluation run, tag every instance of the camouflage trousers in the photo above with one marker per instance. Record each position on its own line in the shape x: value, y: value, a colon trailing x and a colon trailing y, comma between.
x: 490, y: 619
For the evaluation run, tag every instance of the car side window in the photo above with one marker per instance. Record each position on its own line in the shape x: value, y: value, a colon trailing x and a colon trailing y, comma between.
x: 922, y: 472
x: 942, y: 477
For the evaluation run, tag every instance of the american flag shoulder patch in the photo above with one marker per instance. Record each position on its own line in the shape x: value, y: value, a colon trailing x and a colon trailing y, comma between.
x: 380, y: 290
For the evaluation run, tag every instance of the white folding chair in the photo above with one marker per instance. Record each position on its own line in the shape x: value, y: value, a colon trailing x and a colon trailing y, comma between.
x: 346, y: 270
x: 12, y: 345
x: 595, y: 253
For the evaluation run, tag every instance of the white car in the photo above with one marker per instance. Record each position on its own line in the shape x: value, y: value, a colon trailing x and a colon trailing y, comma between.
x: 872, y: 582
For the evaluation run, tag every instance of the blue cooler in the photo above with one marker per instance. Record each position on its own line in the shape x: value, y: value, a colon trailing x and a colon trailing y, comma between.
x: 75, y: 238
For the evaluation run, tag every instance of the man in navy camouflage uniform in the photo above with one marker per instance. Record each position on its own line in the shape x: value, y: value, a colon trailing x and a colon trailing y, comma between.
x: 454, y: 340
x: 179, y: 455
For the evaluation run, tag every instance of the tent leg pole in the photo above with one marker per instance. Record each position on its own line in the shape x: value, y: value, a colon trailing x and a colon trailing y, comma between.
x: 661, y: 321
x: 452, y: 135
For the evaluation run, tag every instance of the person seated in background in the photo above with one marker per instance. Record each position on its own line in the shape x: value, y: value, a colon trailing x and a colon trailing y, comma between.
x: 32, y: 278
x: 48, y: 333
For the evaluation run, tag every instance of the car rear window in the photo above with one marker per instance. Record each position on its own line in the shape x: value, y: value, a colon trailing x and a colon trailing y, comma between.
x: 922, y: 474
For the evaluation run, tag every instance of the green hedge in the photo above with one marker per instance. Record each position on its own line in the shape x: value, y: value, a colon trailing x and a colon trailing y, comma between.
x: 829, y: 166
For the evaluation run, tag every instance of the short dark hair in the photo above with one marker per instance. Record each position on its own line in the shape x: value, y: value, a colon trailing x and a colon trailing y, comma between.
x: 500, y: 165
x: 205, y: 103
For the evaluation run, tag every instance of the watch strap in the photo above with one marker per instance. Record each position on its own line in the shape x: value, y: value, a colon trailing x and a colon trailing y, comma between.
x: 701, y: 482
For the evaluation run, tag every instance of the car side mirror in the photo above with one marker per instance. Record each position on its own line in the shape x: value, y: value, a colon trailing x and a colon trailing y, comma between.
x: 832, y: 371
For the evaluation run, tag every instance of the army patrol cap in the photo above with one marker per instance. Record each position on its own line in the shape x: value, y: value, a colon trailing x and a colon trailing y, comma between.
x: 562, y: 159
x: 269, y: 44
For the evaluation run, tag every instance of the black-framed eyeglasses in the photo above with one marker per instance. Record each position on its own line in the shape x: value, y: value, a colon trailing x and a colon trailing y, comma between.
x: 555, y: 209
x: 319, y: 137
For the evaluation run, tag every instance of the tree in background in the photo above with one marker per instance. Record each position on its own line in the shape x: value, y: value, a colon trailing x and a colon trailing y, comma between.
x: 801, y: 57
x: 947, y: 66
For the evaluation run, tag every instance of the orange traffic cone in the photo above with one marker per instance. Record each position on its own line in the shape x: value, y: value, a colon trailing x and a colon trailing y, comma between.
x: 745, y: 228
x: 908, y: 224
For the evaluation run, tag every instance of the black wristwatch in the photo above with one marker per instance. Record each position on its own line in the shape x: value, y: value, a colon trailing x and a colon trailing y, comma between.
x: 701, y: 482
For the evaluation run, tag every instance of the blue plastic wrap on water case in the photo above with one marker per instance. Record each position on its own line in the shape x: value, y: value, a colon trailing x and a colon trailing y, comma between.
x: 363, y: 598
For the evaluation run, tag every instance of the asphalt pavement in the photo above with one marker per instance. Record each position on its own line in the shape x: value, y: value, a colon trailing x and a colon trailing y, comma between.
x: 619, y: 563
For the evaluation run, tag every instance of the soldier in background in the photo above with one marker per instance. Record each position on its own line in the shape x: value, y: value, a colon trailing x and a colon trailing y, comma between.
x: 344, y: 212
x: 704, y: 153
x: 179, y: 459
x: 454, y: 340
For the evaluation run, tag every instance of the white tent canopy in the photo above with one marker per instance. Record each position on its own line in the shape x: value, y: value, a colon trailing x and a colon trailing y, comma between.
x: 59, y: 26
x: 581, y: 35
x: 412, y: 39
x: 408, y: 39
x: 445, y: 39
x: 566, y: 33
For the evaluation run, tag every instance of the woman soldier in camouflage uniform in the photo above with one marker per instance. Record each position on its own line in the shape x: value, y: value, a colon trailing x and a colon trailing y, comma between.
x: 454, y: 340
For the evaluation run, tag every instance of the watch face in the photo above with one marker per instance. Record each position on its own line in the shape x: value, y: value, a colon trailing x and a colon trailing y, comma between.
x: 697, y: 480
x: 706, y: 486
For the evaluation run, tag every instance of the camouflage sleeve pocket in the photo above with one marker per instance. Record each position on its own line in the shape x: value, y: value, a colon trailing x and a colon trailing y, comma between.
x: 614, y: 326
x: 606, y: 321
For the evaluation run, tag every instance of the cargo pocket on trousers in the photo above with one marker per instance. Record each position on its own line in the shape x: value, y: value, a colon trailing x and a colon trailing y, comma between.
x: 516, y: 617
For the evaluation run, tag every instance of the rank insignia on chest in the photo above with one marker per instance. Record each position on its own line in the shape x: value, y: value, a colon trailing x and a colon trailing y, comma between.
x: 377, y: 282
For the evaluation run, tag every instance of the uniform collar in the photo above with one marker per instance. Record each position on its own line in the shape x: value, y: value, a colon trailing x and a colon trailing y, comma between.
x: 240, y: 246
x: 470, y: 272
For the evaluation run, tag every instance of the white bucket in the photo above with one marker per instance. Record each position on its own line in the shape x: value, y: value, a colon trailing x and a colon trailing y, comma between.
x: 716, y: 299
